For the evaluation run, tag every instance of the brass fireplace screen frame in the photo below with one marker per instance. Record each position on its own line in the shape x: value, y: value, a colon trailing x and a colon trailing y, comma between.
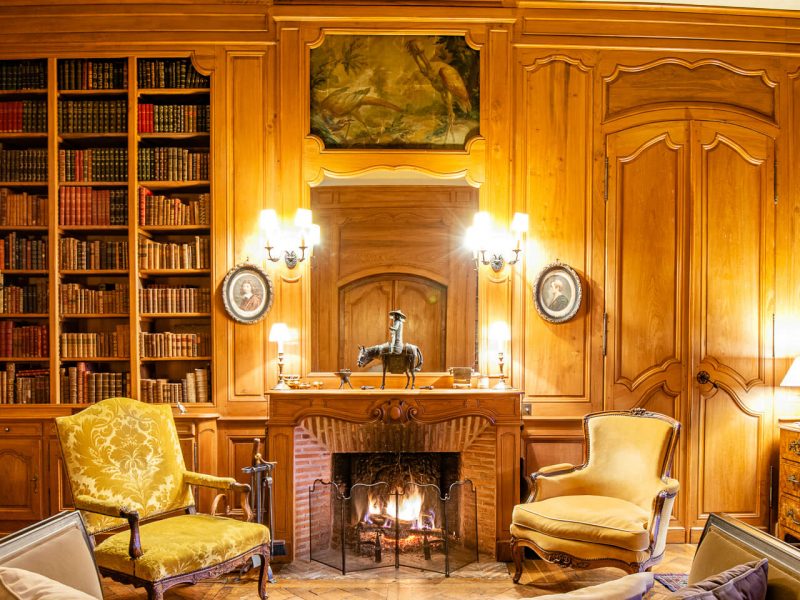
x: 353, y: 533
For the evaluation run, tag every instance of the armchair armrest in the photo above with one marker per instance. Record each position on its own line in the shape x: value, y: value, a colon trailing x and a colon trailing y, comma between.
x: 662, y: 510
x: 555, y: 480
x: 212, y: 481
x: 221, y: 483
x: 104, y: 507
x: 110, y: 509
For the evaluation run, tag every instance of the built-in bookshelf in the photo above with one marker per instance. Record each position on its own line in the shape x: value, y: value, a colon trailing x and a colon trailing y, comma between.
x: 105, y: 230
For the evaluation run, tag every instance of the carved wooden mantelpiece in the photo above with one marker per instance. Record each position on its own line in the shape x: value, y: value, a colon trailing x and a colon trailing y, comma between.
x: 376, y: 409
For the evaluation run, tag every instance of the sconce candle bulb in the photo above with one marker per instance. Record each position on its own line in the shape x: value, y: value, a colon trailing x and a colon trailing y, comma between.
x: 493, y: 246
x: 292, y: 244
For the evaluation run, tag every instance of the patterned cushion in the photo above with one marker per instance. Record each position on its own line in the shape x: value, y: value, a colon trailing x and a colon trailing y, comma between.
x: 181, y: 544
x: 127, y: 453
x: 594, y: 519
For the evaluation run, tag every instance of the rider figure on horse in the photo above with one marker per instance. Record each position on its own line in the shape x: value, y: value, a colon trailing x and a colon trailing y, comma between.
x: 396, y: 329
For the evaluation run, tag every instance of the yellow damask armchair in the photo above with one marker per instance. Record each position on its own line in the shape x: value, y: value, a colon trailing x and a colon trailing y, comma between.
x: 614, y: 509
x: 125, y: 466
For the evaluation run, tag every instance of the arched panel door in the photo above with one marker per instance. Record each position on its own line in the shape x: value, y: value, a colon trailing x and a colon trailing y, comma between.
x: 690, y: 287
x: 364, y: 316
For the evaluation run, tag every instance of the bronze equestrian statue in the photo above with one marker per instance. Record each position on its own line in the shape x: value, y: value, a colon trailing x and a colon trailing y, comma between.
x: 395, y: 356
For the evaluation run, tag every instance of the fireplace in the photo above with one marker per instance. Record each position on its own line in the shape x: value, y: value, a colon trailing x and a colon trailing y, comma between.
x: 360, y: 526
x: 353, y: 439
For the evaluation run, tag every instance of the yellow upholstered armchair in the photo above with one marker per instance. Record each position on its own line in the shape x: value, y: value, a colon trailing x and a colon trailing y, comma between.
x: 614, y: 509
x: 125, y: 466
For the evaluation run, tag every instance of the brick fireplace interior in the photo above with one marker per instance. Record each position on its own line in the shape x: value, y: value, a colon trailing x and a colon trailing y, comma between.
x: 439, y: 453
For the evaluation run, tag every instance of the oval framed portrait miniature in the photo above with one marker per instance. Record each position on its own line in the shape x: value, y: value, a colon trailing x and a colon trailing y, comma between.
x: 557, y: 293
x: 247, y: 293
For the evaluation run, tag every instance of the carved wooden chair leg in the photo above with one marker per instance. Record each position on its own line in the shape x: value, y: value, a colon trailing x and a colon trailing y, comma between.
x: 517, y: 553
x: 263, y: 576
x: 155, y: 592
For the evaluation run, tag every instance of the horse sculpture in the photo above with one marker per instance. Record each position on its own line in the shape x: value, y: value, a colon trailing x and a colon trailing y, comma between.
x: 408, y: 361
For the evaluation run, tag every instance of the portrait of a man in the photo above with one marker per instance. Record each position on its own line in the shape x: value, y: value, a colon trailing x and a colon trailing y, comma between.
x: 249, y: 296
x: 557, y: 293
x: 247, y: 293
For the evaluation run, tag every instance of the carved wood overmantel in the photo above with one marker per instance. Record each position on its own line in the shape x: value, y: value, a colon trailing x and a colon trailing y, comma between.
x: 405, y: 408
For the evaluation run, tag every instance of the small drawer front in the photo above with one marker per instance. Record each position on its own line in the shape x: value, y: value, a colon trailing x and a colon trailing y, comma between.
x: 789, y: 512
x: 15, y: 428
x: 790, y: 479
x: 790, y: 445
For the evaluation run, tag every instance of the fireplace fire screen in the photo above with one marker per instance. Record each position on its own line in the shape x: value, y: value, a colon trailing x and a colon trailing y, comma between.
x: 376, y: 526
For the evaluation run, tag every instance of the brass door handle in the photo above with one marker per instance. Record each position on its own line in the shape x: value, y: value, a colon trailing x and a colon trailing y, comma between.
x: 790, y: 514
x: 35, y: 481
x: 794, y: 446
x: 792, y: 479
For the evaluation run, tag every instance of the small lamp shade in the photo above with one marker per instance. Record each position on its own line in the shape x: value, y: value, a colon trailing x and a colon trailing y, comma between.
x: 268, y: 221
x: 303, y: 218
x: 792, y: 377
x: 499, y: 334
x: 519, y: 224
x: 279, y: 332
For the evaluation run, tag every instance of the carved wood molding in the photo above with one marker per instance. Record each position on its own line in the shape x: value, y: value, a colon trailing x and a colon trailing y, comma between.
x: 395, y: 406
x: 629, y: 89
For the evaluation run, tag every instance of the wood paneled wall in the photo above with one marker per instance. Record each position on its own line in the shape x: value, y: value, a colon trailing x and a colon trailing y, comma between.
x: 688, y: 250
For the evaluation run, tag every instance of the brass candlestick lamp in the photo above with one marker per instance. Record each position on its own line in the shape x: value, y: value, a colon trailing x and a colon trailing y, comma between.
x: 280, y: 333
x: 499, y: 336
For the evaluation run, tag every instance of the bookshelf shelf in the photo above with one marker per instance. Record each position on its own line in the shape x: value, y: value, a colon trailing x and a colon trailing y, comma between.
x: 175, y: 315
x: 113, y: 135
x: 26, y: 184
x: 194, y: 135
x: 95, y: 316
x: 23, y: 135
x: 24, y: 271
x: 99, y: 92
x: 168, y: 272
x: 24, y: 316
x: 23, y: 92
x: 42, y: 228
x: 96, y: 359
x: 171, y: 185
x: 94, y: 272
x: 174, y: 91
x: 170, y: 358
x: 173, y: 228
x: 93, y: 228
x: 24, y: 359
x: 93, y: 183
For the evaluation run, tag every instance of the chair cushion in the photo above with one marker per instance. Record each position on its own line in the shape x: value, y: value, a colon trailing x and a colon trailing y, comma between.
x: 180, y: 545
x: 594, y: 519
x: 19, y: 584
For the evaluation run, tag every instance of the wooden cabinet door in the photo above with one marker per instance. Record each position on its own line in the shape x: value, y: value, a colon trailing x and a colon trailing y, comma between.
x: 691, y: 251
x: 733, y: 283
x: 58, y: 489
x: 21, y: 477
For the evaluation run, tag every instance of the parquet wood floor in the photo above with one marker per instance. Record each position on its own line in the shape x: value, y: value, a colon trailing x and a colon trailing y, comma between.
x: 310, y: 581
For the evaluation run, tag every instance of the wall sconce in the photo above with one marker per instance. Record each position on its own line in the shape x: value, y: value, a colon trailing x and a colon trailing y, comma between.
x: 499, y: 335
x: 792, y: 377
x: 279, y: 332
x: 494, y: 246
x: 289, y: 243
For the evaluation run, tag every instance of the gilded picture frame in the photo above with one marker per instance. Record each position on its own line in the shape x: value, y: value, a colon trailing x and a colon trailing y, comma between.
x: 247, y: 293
x: 557, y: 293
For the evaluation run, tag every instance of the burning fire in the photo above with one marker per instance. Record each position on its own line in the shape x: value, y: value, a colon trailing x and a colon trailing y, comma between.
x: 409, y: 511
